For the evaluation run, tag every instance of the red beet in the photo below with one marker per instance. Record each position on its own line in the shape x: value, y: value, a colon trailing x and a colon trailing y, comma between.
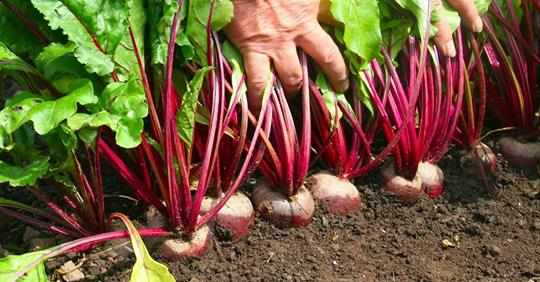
x: 432, y: 179
x: 177, y: 248
x: 282, y: 211
x: 235, y: 218
x: 483, y: 154
x: 338, y: 195
x: 406, y: 190
x: 519, y: 154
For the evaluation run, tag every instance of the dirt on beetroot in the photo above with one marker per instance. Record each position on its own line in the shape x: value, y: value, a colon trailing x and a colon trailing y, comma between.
x: 469, y: 234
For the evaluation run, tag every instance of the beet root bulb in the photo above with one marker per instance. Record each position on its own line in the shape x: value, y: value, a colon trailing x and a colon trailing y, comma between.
x: 283, y: 211
x: 483, y: 155
x: 177, y: 248
x: 339, y: 196
x: 234, y: 219
x: 194, y: 246
x: 408, y: 191
x: 519, y: 154
x: 432, y: 179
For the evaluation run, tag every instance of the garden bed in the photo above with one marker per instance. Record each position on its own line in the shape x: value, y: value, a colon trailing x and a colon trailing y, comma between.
x: 467, y: 235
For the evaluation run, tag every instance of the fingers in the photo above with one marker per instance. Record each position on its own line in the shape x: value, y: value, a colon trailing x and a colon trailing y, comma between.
x: 443, y: 39
x: 258, y: 76
x: 288, y: 68
x: 468, y: 13
x: 320, y: 46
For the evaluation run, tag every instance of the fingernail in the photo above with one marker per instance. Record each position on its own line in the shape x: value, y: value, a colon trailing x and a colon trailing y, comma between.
x: 478, y: 25
x: 450, y: 49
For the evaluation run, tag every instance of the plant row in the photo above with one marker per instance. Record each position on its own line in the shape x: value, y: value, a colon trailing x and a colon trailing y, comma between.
x: 152, y: 93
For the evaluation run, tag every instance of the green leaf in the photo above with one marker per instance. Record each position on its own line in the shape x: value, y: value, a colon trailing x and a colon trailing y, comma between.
x: 15, y: 34
x: 419, y: 8
x: 45, y: 114
x: 363, y: 93
x: 124, y: 55
x: 57, y: 61
x: 362, y: 33
x: 11, y: 62
x: 146, y: 269
x: 197, y: 19
x: 395, y: 33
x: 185, y: 120
x: 160, y: 14
x: 235, y: 59
x: 10, y: 265
x: 18, y: 176
x: 86, y: 22
x: 122, y: 108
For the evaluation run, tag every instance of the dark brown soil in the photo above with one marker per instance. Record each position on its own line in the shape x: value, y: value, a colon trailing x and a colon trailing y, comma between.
x: 467, y: 235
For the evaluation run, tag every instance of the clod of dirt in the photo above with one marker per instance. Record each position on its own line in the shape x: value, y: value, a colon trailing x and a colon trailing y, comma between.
x: 536, y: 225
x: 492, y: 250
x: 70, y: 272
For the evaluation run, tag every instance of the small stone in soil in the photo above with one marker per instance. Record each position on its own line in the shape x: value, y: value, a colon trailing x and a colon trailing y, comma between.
x: 536, y: 225
x: 492, y: 250
x: 70, y: 273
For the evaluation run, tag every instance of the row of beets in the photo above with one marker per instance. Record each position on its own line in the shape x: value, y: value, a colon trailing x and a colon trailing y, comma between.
x: 415, y: 112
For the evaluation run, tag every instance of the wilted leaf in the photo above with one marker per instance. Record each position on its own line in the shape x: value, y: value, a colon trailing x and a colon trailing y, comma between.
x: 146, y: 269
x: 10, y: 265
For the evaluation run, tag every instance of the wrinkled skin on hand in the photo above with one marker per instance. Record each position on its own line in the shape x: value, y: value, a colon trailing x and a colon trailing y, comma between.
x: 269, y: 32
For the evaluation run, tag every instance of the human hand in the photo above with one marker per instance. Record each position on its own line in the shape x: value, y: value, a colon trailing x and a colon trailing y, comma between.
x: 470, y: 16
x: 268, y: 31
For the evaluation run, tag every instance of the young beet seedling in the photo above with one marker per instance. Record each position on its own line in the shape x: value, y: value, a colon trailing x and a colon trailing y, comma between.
x: 282, y: 197
x: 436, y: 92
x: 471, y: 121
x: 174, y: 167
x: 513, y: 59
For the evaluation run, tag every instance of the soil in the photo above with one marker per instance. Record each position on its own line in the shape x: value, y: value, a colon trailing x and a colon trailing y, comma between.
x: 469, y: 234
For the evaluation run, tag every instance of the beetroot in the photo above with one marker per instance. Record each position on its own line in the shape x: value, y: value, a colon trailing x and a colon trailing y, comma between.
x: 236, y: 216
x: 408, y: 191
x: 193, y: 246
x: 338, y: 195
x: 483, y: 155
x: 282, y: 211
x: 432, y: 179
x: 520, y: 154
